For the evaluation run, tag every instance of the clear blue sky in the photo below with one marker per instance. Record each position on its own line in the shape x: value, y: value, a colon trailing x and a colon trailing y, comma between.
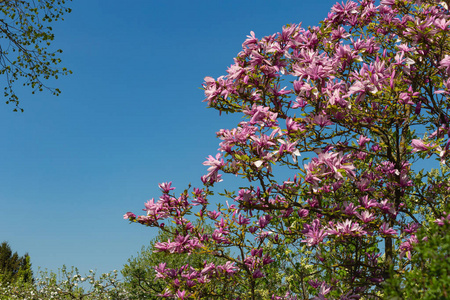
x: 130, y: 116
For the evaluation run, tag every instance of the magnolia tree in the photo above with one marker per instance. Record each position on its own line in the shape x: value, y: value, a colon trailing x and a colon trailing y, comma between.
x: 356, y: 111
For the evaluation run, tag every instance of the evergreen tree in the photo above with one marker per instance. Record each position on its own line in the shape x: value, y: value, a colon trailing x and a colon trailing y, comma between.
x: 13, y: 267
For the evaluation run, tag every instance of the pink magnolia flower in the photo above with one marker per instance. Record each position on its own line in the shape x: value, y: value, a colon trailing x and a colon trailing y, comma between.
x: 251, y: 41
x: 267, y: 260
x: 387, y: 207
x: 200, y: 200
x: 213, y: 214
x: 442, y: 24
x: 407, y: 246
x: 256, y: 252
x: 405, y: 98
x: 258, y: 274
x: 292, y: 126
x: 321, y: 120
x: 387, y: 2
x: 208, y: 268
x: 315, y: 283
x: 289, y: 147
x: 419, y: 146
x: 243, y: 220
x: 347, y: 227
x: 215, y: 163
x: 314, y: 233
x: 363, y: 140
x: 166, y: 294
x: 445, y: 63
x: 166, y: 187
x: 183, y: 295
x: 368, y: 203
x: 219, y: 236
x: 244, y: 196
x: 302, y: 213
x: 252, y: 229
x: 350, y: 209
x: 160, y: 270
x: 157, y: 210
x: 386, y: 230
x: 181, y: 244
x: 228, y: 268
x: 411, y: 228
x: 441, y: 221
x: 129, y: 215
x: 264, y: 220
x: 366, y: 216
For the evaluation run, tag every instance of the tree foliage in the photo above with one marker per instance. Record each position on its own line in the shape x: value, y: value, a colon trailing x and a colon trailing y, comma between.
x: 67, y: 284
x: 343, y: 154
x: 429, y: 276
x: 25, y: 40
x: 13, y: 267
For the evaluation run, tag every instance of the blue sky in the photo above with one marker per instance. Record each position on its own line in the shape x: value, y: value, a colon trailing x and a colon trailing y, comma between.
x: 130, y: 116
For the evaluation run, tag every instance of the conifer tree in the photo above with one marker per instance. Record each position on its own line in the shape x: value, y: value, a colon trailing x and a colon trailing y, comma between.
x: 14, y: 267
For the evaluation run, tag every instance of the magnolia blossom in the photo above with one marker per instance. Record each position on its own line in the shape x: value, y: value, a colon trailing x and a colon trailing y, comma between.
x: 315, y: 233
x: 407, y: 246
x: 419, y: 145
x: 346, y: 228
x: 215, y: 163
x: 181, y: 244
x: 386, y: 230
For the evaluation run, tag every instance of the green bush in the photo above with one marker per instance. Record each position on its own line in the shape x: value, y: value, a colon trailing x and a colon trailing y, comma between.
x: 429, y: 274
